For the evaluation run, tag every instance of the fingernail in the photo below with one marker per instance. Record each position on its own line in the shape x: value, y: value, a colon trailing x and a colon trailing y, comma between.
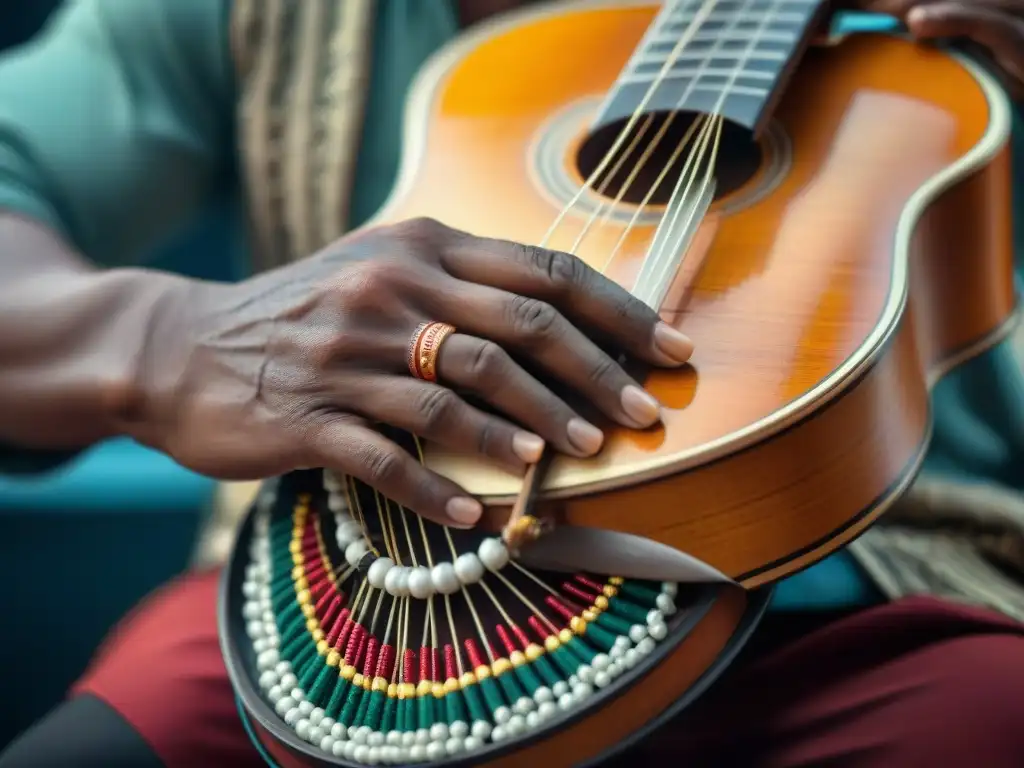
x: 463, y: 511
x: 672, y: 343
x: 527, y: 446
x: 585, y: 436
x: 640, y: 406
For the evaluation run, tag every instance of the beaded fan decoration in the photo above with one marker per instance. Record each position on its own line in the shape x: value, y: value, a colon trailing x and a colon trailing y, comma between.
x: 385, y: 638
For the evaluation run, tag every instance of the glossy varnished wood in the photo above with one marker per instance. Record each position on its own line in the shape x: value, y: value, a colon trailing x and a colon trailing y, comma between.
x: 805, y: 409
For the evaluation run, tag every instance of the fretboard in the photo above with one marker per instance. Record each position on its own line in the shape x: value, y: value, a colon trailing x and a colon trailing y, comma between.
x: 735, y: 59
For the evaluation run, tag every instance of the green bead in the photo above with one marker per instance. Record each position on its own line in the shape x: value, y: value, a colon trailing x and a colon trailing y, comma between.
x: 547, y: 671
x: 566, y: 661
x: 320, y: 692
x: 627, y: 610
x: 425, y: 705
x: 528, y: 678
x: 639, y: 593
x: 581, y: 650
x: 375, y: 712
x: 510, y: 687
x: 409, y: 705
x: 492, y: 694
x: 364, y: 707
x: 475, y: 702
x: 338, y: 696
x: 613, y: 623
x: 454, y: 707
x: 599, y: 637
x: 390, y: 707
x: 351, y: 708
x: 312, y: 672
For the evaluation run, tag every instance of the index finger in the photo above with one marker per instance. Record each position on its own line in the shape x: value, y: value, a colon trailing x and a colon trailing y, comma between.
x: 592, y: 301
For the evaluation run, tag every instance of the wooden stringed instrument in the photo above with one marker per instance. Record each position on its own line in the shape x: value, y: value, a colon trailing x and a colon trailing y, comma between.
x: 830, y: 223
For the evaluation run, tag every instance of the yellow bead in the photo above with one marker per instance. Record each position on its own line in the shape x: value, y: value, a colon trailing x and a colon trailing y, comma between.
x: 357, y: 680
x: 333, y: 659
x: 312, y: 624
x: 565, y: 636
x: 294, y: 546
x: 589, y: 616
x: 297, y: 572
x: 482, y: 672
x: 303, y: 596
x: 517, y: 658
x: 423, y: 688
x: 297, y: 558
x: 392, y: 690
x: 367, y: 683
x: 380, y: 684
x: 408, y: 690
x: 318, y: 636
x: 616, y: 580
x: 348, y: 671
x: 322, y: 647
x: 304, y: 498
x: 308, y: 610
x: 301, y: 583
x: 577, y: 625
x: 551, y: 643
x: 438, y: 690
x: 610, y: 591
x: 534, y: 651
x: 467, y: 679
x: 451, y: 685
x: 501, y: 666
x: 601, y: 602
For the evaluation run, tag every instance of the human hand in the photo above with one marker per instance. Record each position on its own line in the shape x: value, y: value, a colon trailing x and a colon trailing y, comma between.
x: 296, y: 367
x: 995, y: 25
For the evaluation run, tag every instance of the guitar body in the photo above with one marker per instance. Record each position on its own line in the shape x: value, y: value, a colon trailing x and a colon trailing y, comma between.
x: 868, y: 254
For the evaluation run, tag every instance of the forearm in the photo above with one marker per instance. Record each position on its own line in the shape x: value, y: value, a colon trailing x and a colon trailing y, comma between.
x: 72, y: 340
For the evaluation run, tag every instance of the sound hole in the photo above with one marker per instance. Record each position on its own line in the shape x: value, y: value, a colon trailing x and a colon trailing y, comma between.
x: 738, y: 160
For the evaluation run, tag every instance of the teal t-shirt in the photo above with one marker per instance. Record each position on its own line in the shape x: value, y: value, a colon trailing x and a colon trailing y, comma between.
x: 117, y: 126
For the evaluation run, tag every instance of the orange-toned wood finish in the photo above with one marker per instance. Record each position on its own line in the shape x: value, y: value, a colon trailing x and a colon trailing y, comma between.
x: 821, y: 313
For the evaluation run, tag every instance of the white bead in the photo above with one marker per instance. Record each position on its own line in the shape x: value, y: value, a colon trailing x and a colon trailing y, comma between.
x: 453, y: 746
x: 284, y: 704
x: 565, y: 701
x: 498, y: 734
x: 637, y: 633
x: 327, y: 744
x: 375, y: 739
x: 316, y: 717
x: 378, y: 571
x: 543, y: 694
x: 630, y: 658
x: 654, y: 617
x: 523, y: 705
x: 602, y: 679
x: 394, y: 737
x: 275, y: 694
x: 292, y: 716
x: 665, y: 604
x: 585, y: 674
x: 435, y: 750
x: 420, y: 585
x: 259, y: 645
x: 339, y: 748
x: 360, y: 753
x: 473, y: 743
x: 350, y: 749
x: 408, y: 738
x: 533, y: 720
x: 251, y: 610
x: 355, y: 551
x: 289, y: 681
x: 600, y: 662
x: 268, y: 680
x: 422, y: 736
x: 267, y: 660
x: 305, y: 707
x: 468, y: 568
x: 502, y: 715
x: 339, y: 731
x: 362, y: 734
x: 614, y: 670
x: 459, y: 729
x: 658, y: 631
x: 373, y: 756
x: 347, y: 532
x: 493, y: 554
x: 547, y: 710
x: 515, y: 726
x: 439, y: 732
x: 316, y: 734
x: 617, y: 652
x: 326, y: 723
x: 397, y: 581
x: 581, y: 691
x: 302, y: 729
x: 417, y: 753
x: 670, y: 589
x: 444, y: 579
x: 645, y: 646
x: 481, y: 729
x: 560, y: 688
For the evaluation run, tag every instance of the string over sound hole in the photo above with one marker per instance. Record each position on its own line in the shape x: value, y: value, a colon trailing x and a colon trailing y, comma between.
x: 643, y: 166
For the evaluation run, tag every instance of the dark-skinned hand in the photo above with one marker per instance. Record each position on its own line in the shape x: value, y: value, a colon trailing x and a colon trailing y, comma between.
x: 997, y: 26
x: 297, y: 367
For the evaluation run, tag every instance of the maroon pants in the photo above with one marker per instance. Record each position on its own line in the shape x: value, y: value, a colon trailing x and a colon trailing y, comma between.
x: 920, y: 682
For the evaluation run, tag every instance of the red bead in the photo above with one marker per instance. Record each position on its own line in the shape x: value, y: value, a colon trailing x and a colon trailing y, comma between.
x: 556, y: 605
x: 538, y: 627
x: 333, y: 607
x: 451, y: 663
x: 506, y: 639
x: 520, y: 636
x: 352, y: 646
x: 409, y: 666
x: 386, y: 661
x: 435, y: 665
x: 476, y: 659
x: 364, y: 636
x: 425, y: 664
x: 335, y: 637
x: 588, y: 582
x: 578, y: 593
x: 370, y: 665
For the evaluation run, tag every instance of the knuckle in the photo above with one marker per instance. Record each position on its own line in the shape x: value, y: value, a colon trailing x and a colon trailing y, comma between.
x: 422, y: 229
x: 531, y: 318
x: 562, y: 270
x: 366, y: 283
x: 383, y: 466
x: 487, y: 362
x: 604, y: 370
x: 436, y: 407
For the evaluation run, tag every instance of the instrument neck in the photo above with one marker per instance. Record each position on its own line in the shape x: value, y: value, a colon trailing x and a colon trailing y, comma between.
x: 732, y: 58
